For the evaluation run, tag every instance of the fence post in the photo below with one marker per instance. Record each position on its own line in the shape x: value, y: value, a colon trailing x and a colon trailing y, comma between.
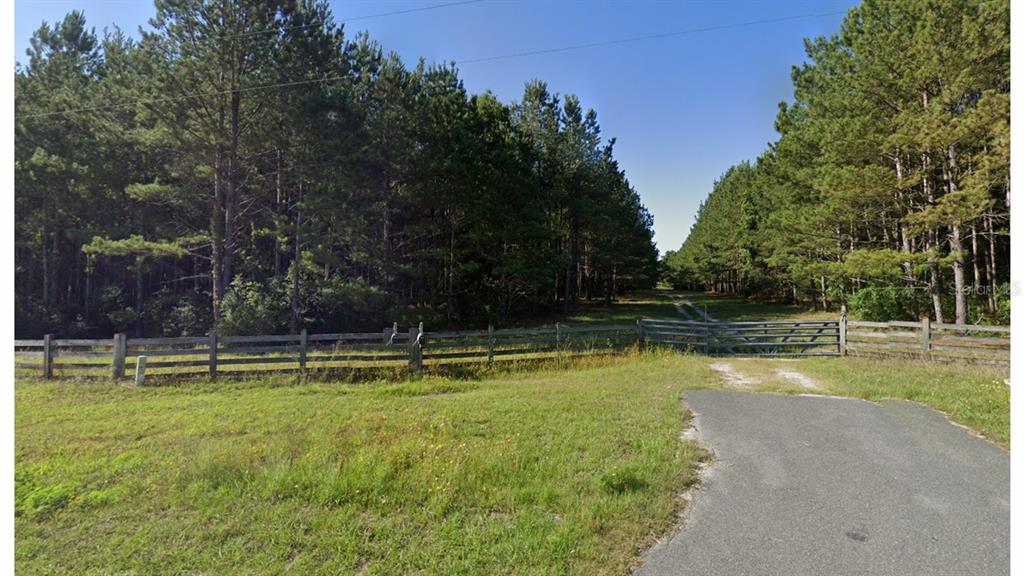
x: 415, y: 347
x: 926, y: 336
x: 842, y: 330
x: 640, y: 337
x: 120, y: 348
x: 558, y: 340
x: 213, y: 354
x: 303, y: 343
x: 490, y: 343
x: 48, y: 356
x: 140, y: 371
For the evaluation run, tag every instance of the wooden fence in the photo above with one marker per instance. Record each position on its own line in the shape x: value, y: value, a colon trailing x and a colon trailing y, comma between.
x: 115, y: 357
x: 929, y: 340
x: 214, y: 354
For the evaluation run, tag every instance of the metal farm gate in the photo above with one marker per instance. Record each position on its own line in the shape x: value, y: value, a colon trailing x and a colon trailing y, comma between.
x: 754, y: 338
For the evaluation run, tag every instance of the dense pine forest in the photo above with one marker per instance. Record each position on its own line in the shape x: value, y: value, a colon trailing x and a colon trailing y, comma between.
x: 247, y: 166
x: 889, y: 187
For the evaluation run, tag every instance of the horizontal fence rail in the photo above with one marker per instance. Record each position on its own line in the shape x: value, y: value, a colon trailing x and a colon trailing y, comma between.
x: 929, y: 340
x: 391, y: 347
x: 216, y: 354
x: 754, y: 338
x: 529, y: 342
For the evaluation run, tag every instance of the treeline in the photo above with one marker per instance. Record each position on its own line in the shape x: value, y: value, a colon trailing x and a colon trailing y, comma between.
x: 245, y: 165
x: 889, y: 187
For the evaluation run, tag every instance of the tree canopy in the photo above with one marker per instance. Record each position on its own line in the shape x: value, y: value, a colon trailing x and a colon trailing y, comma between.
x: 248, y: 166
x: 890, y: 179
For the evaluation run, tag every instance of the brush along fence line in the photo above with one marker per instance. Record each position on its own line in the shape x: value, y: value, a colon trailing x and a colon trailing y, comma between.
x: 214, y: 354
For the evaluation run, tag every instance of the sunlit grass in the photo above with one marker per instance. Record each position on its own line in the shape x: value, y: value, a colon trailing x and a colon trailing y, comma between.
x: 624, y: 310
x: 723, y: 308
x: 527, y: 472
x: 970, y: 394
x: 547, y: 465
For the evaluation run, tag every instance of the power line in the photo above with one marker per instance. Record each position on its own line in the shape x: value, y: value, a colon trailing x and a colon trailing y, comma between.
x: 648, y: 37
x: 357, y: 18
x: 253, y: 88
x: 317, y: 24
x: 326, y: 79
x: 410, y: 10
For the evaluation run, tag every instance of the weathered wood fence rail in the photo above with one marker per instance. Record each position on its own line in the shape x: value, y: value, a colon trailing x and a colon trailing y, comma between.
x: 929, y: 340
x: 216, y: 354
x: 415, y: 347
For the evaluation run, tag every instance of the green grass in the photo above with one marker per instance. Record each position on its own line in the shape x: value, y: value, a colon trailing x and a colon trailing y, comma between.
x: 625, y: 310
x: 546, y: 472
x: 736, y: 308
x: 549, y: 471
x: 972, y: 395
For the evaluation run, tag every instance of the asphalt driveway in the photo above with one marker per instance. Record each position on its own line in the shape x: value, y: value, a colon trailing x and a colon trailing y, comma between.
x: 815, y: 485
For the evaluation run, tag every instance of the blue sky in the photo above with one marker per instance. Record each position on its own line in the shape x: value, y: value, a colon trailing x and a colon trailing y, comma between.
x: 683, y: 109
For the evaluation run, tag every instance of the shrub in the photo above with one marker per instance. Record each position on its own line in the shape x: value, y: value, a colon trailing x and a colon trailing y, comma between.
x: 882, y: 304
x: 114, y: 307
x: 31, y: 319
x: 1003, y: 304
x: 253, y: 308
x: 345, y: 305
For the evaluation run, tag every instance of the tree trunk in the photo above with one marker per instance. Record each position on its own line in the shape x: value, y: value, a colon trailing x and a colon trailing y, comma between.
x: 46, y: 270
x: 572, y: 269
x: 934, y: 277
x: 231, y: 195
x: 960, y: 297
x: 824, y: 294
x: 278, y: 201
x: 992, y: 277
x: 934, y: 280
x: 956, y: 248
x: 88, y: 289
x: 450, y: 276
x: 217, y: 235
x: 293, y: 324
x: 55, y: 268
x: 905, y: 247
x: 978, y: 283
x: 139, y: 261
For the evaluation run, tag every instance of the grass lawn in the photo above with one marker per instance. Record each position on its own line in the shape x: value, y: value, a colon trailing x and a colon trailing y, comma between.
x: 546, y: 472
x: 552, y: 471
x: 625, y: 310
x: 722, y: 307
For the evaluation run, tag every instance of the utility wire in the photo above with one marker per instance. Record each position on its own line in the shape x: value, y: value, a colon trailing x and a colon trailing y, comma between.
x: 471, y: 61
x: 319, y: 24
x: 357, y: 18
x: 409, y: 10
x: 648, y: 37
x: 263, y: 87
